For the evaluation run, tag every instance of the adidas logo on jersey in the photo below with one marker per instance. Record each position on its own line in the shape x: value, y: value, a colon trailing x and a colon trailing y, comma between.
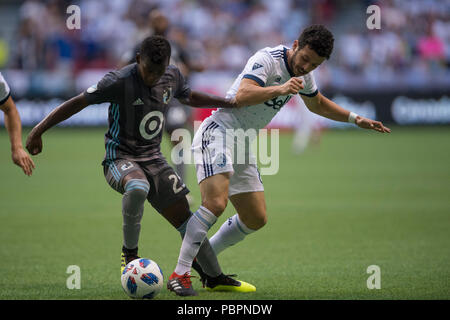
x: 138, y: 102
x: 256, y: 66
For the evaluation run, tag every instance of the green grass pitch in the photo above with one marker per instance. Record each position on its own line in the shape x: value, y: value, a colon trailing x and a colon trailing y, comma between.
x: 358, y: 199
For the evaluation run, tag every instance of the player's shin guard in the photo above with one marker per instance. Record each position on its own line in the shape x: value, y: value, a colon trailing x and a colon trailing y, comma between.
x: 196, y: 229
x: 133, y: 200
x: 231, y: 232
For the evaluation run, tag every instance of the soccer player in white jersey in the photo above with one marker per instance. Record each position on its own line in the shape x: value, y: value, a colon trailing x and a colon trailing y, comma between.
x: 270, y: 78
x: 12, y: 123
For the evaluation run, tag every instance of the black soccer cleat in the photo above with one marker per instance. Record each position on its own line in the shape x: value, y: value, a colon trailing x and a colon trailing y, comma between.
x: 225, y: 282
x: 181, y: 285
x: 127, y: 256
x: 222, y: 282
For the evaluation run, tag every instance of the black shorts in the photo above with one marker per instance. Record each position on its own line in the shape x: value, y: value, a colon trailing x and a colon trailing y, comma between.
x: 166, y: 187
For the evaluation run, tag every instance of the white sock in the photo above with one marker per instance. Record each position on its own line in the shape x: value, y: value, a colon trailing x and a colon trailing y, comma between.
x: 196, y: 230
x: 206, y: 257
x: 231, y: 232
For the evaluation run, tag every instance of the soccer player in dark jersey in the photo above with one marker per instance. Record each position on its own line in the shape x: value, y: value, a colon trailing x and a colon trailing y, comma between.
x: 178, y: 113
x: 134, y: 165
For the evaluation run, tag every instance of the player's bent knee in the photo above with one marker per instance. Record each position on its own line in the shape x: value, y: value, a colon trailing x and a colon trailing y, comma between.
x: 137, y: 189
x: 137, y: 194
x: 216, y: 205
x: 259, y: 223
x: 262, y: 222
x: 255, y: 222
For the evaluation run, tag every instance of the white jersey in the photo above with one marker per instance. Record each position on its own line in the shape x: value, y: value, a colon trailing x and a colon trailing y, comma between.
x: 268, y: 67
x: 4, y: 90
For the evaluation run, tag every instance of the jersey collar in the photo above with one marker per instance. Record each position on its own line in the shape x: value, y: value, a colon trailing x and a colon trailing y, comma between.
x: 138, y: 75
x: 286, y: 62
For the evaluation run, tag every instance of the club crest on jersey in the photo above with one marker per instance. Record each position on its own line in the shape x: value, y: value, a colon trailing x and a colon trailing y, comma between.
x: 221, y: 160
x: 256, y: 66
x: 167, y: 95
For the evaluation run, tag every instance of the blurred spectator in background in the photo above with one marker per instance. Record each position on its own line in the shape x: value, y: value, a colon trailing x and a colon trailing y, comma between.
x: 307, y: 130
x: 412, y: 47
x: 4, y: 52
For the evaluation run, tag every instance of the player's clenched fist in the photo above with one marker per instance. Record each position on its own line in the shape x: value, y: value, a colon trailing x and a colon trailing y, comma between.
x: 34, y: 143
x: 292, y: 86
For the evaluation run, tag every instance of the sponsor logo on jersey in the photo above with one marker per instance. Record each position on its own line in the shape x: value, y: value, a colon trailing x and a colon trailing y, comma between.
x: 277, y: 103
x: 151, y: 124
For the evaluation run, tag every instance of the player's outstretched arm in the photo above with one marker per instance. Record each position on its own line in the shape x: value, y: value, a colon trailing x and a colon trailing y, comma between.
x: 251, y: 93
x: 325, y: 107
x: 199, y: 99
x: 59, y: 114
x: 14, y: 128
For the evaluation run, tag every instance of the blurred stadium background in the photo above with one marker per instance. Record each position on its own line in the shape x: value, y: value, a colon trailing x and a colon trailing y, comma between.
x: 399, y: 73
x: 356, y: 199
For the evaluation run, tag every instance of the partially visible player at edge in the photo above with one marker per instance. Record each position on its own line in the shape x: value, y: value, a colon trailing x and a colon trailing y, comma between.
x: 133, y: 165
x: 14, y: 128
x: 270, y: 78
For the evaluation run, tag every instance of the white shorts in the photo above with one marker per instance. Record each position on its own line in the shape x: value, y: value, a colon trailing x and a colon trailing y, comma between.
x: 214, y: 153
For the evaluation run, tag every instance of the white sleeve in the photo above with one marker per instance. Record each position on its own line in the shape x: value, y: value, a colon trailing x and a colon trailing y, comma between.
x: 259, y: 68
x: 4, y: 90
x: 310, y: 87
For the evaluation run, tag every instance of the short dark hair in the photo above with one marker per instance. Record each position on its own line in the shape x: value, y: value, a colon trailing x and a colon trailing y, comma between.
x: 318, y: 38
x: 155, y: 49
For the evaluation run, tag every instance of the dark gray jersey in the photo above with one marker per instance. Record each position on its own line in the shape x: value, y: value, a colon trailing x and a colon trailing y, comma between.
x: 137, y: 112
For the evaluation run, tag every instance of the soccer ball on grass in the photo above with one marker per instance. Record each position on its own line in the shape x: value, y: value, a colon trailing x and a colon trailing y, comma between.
x: 142, y: 279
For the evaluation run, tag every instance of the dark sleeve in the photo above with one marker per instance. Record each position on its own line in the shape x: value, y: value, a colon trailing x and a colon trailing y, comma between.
x: 107, y: 89
x: 182, y: 90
